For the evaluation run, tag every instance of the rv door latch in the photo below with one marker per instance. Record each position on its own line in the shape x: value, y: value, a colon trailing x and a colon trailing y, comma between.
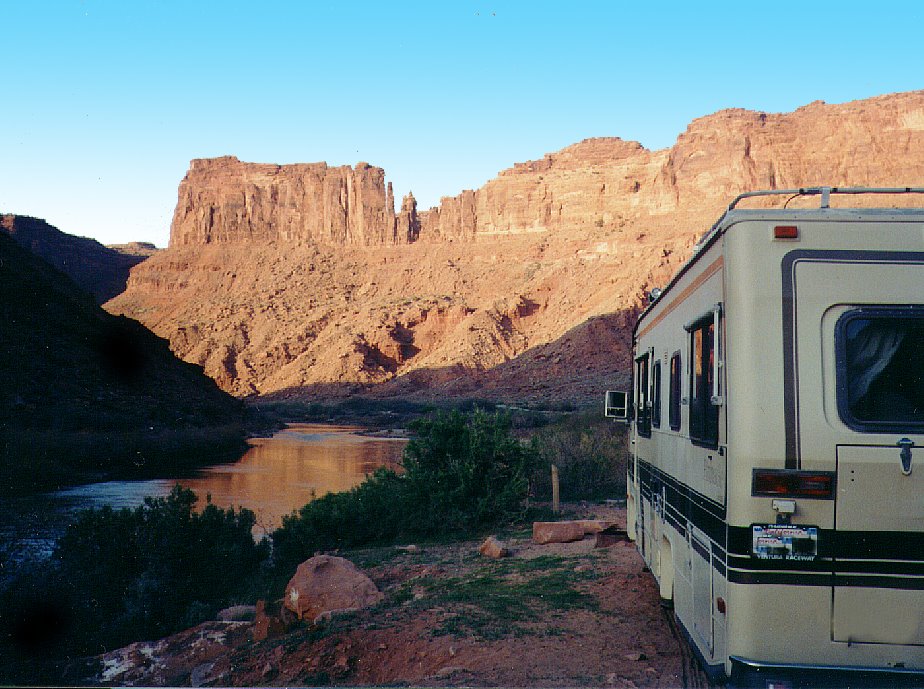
x: 905, y: 444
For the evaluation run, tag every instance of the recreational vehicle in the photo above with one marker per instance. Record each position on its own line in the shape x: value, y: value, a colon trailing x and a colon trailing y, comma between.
x: 776, y: 476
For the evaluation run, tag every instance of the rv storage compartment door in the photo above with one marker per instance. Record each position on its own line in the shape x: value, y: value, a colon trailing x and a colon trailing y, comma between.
x: 879, y: 523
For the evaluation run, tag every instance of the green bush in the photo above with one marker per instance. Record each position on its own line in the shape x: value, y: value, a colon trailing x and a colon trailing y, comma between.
x: 590, y: 453
x: 120, y: 576
x: 461, y: 473
x: 464, y: 472
x: 370, y: 513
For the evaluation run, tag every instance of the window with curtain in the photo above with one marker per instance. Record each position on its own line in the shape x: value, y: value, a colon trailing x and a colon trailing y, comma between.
x: 656, y: 394
x: 880, y: 368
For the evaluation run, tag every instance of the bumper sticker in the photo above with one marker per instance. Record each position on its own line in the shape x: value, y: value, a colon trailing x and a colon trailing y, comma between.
x: 784, y: 542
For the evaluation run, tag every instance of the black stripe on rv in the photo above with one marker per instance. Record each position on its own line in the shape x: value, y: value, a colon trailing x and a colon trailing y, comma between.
x: 887, y: 559
x: 905, y: 546
x: 687, y: 505
x: 825, y: 579
x: 829, y: 566
x: 790, y: 350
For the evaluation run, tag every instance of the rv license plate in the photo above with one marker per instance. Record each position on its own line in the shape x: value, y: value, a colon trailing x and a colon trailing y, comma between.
x: 784, y: 542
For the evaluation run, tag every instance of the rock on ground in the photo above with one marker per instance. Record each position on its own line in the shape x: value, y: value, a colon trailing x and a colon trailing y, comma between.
x: 493, y: 548
x: 557, y: 532
x: 325, y: 584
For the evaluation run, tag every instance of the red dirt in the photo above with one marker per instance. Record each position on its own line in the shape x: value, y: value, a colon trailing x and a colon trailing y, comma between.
x: 623, y: 638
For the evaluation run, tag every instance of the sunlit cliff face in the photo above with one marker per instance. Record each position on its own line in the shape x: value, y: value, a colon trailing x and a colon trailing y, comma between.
x: 296, y: 279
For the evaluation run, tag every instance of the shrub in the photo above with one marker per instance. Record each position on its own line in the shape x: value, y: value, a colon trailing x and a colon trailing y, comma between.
x: 120, y: 576
x: 590, y: 453
x: 465, y: 472
x: 370, y: 513
x: 462, y: 473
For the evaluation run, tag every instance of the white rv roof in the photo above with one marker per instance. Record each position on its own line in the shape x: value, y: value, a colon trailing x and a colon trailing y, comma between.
x: 734, y: 215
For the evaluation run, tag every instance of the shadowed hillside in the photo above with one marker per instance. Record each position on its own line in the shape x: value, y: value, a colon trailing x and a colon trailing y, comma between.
x: 100, y: 270
x: 84, y: 393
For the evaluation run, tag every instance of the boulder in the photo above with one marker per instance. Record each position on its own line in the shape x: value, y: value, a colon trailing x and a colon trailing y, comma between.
x: 592, y: 526
x: 325, y: 584
x: 557, y: 532
x: 493, y: 548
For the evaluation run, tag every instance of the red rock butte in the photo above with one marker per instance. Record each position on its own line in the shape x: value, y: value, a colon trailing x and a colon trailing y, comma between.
x: 222, y: 200
x: 304, y: 279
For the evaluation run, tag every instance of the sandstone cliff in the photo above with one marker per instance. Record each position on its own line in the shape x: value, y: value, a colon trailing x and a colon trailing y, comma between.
x: 223, y: 200
x: 876, y: 142
x: 525, y: 288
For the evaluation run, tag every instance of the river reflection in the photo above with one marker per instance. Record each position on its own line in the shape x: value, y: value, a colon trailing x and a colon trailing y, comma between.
x: 282, y: 473
x: 274, y: 477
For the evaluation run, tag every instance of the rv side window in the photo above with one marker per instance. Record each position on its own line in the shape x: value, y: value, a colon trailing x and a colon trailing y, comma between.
x: 673, y: 410
x: 642, y: 403
x: 656, y: 394
x: 704, y: 416
x: 880, y: 369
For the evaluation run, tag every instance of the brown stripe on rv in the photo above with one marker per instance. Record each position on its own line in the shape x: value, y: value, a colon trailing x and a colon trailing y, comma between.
x: 790, y: 369
x: 711, y: 270
x: 789, y: 356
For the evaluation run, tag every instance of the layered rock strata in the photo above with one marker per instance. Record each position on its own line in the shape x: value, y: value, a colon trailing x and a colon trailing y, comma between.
x: 302, y: 280
x: 600, y: 181
x: 223, y: 200
x: 875, y: 142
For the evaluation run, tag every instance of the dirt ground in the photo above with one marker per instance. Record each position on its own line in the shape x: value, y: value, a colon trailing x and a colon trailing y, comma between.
x: 562, y: 615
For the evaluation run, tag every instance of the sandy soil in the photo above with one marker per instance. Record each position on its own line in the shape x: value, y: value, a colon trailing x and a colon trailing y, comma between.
x: 563, y: 615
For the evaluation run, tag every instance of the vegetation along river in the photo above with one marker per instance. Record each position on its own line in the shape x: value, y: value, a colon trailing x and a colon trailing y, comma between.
x: 274, y: 476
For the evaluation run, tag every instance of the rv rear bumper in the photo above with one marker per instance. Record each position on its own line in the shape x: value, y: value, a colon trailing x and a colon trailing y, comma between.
x: 755, y: 673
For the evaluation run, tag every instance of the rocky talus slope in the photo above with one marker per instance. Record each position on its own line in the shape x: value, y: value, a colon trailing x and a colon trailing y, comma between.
x: 303, y: 279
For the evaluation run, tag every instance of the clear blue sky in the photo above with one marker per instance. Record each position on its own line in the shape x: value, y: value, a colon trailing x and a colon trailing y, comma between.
x: 105, y: 102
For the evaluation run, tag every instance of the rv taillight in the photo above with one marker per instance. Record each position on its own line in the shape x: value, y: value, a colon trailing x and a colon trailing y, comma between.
x: 793, y: 484
x: 785, y: 232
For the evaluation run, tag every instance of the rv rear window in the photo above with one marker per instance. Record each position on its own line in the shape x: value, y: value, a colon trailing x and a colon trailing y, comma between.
x: 880, y: 368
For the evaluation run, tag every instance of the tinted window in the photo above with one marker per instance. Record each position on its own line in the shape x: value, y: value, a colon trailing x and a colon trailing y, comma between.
x: 704, y: 416
x: 880, y: 368
x: 642, y: 406
x: 656, y: 395
x: 673, y: 410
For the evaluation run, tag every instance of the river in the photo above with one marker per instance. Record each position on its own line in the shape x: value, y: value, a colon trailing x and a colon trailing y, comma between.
x: 274, y: 477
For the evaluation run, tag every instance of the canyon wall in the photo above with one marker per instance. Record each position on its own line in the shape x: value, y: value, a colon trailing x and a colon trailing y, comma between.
x: 302, y: 280
x: 600, y: 181
x: 222, y: 200
x: 874, y: 142
x: 84, y: 394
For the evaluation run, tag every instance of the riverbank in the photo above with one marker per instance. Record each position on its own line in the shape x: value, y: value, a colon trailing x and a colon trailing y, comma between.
x: 384, y: 415
x: 550, y: 615
x: 35, y: 461
x: 86, y: 395
x: 463, y: 474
